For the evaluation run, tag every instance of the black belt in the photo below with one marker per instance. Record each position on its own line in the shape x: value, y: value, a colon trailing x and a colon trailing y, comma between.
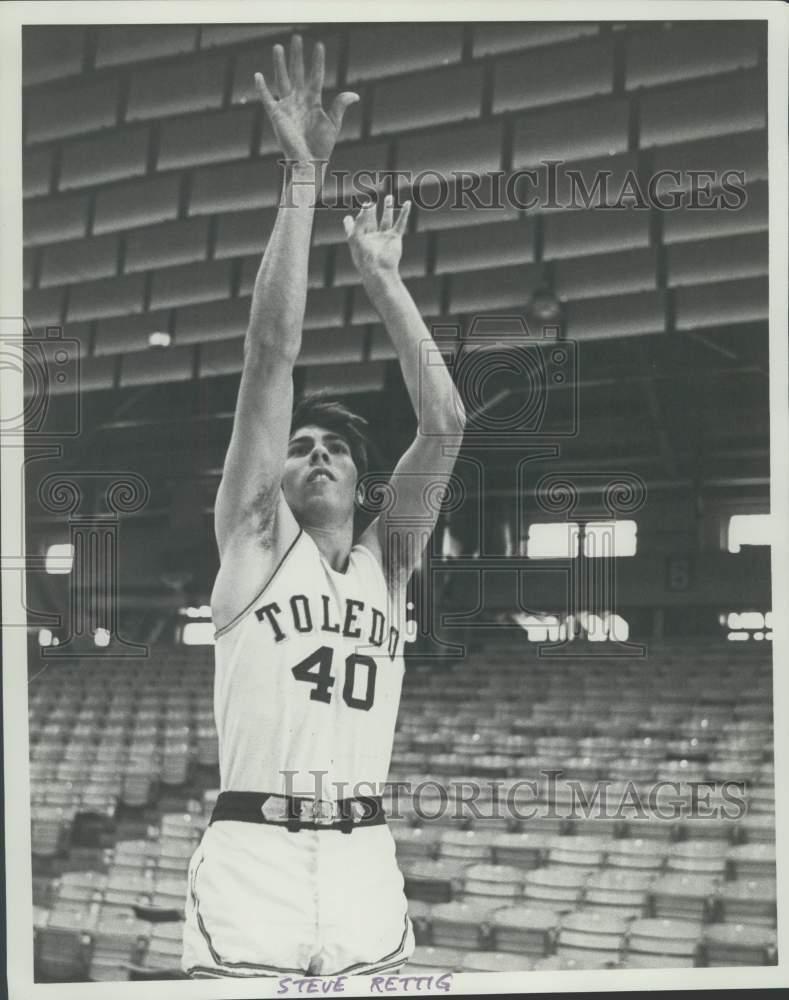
x: 297, y: 813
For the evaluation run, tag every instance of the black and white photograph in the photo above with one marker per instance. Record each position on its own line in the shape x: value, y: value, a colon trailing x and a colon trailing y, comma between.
x: 395, y: 498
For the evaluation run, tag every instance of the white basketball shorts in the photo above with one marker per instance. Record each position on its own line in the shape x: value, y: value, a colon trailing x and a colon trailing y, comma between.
x: 262, y: 901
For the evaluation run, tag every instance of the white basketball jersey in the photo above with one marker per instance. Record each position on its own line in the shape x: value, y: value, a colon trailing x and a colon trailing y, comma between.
x: 308, y: 679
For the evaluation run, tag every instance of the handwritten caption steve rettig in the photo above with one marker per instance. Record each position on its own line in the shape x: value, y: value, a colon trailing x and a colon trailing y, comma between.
x: 376, y: 984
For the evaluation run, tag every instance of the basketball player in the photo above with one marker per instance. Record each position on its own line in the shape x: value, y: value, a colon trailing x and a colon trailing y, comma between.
x: 296, y: 873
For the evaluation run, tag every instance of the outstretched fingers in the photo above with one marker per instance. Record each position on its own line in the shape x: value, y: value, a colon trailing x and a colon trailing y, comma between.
x: 366, y: 221
x: 388, y: 213
x: 317, y: 70
x: 296, y: 62
x: 281, y: 77
x: 402, y: 219
x: 264, y: 93
x: 340, y: 105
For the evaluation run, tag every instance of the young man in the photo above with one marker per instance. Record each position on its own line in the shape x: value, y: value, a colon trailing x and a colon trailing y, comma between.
x: 296, y: 873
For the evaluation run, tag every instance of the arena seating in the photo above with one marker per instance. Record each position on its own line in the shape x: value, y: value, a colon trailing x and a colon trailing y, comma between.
x: 124, y: 777
x: 150, y: 181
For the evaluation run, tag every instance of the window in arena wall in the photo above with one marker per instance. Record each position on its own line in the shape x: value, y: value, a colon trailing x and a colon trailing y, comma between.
x: 743, y: 626
x: 59, y: 558
x: 102, y: 637
x: 600, y: 539
x: 542, y: 628
x: 610, y: 538
x: 204, y: 611
x: 748, y: 529
x: 553, y: 541
x: 606, y: 627
x: 198, y: 634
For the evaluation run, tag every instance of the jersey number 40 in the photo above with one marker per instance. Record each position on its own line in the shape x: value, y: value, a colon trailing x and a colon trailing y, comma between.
x: 316, y: 670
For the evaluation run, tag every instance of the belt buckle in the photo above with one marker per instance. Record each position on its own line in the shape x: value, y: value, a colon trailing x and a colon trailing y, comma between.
x: 322, y: 812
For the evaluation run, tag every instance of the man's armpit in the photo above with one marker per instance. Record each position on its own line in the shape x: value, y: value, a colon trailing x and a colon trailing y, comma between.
x: 261, y: 514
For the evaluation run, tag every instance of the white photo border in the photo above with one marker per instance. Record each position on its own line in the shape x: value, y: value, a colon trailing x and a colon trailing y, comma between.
x: 15, y: 728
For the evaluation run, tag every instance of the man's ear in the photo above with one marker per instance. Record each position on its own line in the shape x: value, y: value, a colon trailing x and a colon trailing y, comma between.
x: 359, y: 494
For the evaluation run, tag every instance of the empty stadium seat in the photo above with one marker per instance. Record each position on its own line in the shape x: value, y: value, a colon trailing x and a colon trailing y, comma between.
x: 686, y: 224
x: 188, y: 284
x: 382, y: 50
x: 52, y: 52
x: 495, y: 961
x: 724, y: 302
x: 427, y: 99
x: 427, y: 959
x: 440, y: 153
x: 623, y: 316
x: 558, y: 889
x: 187, y: 85
x: 471, y: 248
x: 465, y: 845
x: 592, y: 936
x: 702, y: 110
x: 538, y: 77
x: 577, y: 852
x: 433, y: 881
x: 49, y: 220
x: 116, y: 943
x: 655, y: 58
x: 683, y: 896
x: 235, y: 187
x: 571, y: 133
x: 416, y: 843
x: 110, y: 156
x: 526, y: 930
x: 753, y: 860
x: 492, y: 883
x: 738, y: 944
x: 717, y: 260
x: 748, y: 901
x: 492, y: 38
x: 71, y: 109
x: 63, y: 945
x: 459, y: 925
x: 136, y: 203
x: 206, y: 138
x: 663, y: 943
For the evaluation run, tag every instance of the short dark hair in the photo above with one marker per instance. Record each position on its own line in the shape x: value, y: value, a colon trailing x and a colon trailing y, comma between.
x: 316, y: 408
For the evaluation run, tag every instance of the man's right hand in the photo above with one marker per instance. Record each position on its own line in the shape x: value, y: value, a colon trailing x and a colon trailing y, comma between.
x: 304, y: 131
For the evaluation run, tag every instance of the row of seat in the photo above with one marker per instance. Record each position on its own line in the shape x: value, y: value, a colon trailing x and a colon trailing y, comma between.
x: 128, y: 948
x: 530, y: 903
x: 452, y: 937
x: 655, y: 53
x: 499, y: 853
x: 95, y: 924
x: 653, y: 58
x: 218, y: 328
x: 551, y: 891
x: 456, y: 938
x: 240, y: 186
x: 175, y: 252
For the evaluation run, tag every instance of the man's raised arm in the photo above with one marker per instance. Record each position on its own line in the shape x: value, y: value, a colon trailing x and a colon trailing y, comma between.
x: 251, y: 520
x: 248, y: 494
x: 428, y: 462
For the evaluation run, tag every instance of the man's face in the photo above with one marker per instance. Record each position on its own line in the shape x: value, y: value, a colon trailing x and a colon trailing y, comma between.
x: 319, y: 479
